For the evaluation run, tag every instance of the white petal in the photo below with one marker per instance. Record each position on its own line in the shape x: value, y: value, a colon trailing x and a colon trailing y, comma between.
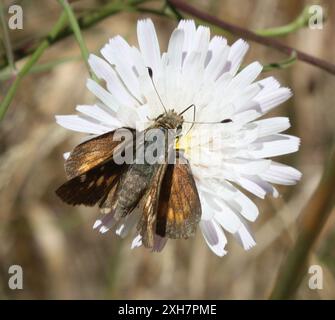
x: 272, y: 125
x: 219, y: 51
x: 66, y: 155
x: 104, y: 71
x: 122, y: 57
x: 246, y: 239
x: 214, y: 236
x: 189, y: 29
x: 246, y: 116
x: 227, y: 218
x: 102, y: 94
x: 175, y: 49
x: 272, y: 99
x: 268, y: 84
x: 148, y: 42
x: 242, y: 100
x: 245, y: 206
x: 236, y: 55
x: 251, y: 186
x: 201, y: 42
x: 137, y: 242
x: 245, y: 77
x: 98, y: 113
x: 281, y: 174
x: 267, y: 187
x: 127, y: 224
x: 247, y: 166
x: 103, y: 229
x: 97, y: 224
x: 107, y: 222
x: 274, y: 145
x: 231, y: 195
x: 77, y: 123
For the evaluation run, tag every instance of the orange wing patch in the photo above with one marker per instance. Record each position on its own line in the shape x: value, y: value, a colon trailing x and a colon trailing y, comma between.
x: 179, y: 210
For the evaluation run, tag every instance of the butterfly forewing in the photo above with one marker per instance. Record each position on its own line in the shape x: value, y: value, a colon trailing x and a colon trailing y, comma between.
x: 93, y: 152
x: 92, y: 170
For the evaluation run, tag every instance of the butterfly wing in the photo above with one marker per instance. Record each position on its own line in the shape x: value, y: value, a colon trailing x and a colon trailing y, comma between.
x: 95, y: 151
x: 179, y: 209
x: 91, y: 186
x: 91, y: 169
x: 149, y: 205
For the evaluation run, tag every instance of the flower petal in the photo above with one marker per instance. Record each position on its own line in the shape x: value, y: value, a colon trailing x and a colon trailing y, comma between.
x: 214, y: 236
x: 99, y: 114
x: 104, y: 71
x: 245, y: 238
x: 137, y: 242
x: 102, y: 94
x: 274, y: 145
x: 236, y: 55
x: 77, y: 123
x: 149, y: 46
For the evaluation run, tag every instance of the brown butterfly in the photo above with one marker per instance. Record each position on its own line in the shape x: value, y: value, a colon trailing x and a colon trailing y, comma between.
x: 165, y: 192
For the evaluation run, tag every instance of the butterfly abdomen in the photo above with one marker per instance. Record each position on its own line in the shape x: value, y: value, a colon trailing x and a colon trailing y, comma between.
x: 131, y: 188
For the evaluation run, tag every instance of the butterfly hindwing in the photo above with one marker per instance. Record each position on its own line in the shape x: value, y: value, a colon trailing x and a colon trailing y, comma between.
x: 149, y: 205
x: 90, y: 187
x: 179, y: 209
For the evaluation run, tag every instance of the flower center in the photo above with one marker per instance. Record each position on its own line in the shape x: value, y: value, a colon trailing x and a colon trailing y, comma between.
x: 183, y: 143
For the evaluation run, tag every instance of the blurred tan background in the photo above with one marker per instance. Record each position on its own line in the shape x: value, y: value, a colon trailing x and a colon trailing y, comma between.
x: 63, y: 258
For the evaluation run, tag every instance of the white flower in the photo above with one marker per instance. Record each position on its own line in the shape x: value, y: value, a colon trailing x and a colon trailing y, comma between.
x: 204, y: 72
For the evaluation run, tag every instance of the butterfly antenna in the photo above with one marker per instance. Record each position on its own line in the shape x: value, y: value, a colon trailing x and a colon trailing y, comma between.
x: 194, y: 109
x: 153, y: 84
x: 217, y: 122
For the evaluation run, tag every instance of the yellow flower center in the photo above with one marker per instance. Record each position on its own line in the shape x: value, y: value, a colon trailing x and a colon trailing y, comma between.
x: 183, y: 143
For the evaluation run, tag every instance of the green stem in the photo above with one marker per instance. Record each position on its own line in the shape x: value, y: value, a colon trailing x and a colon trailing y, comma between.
x: 299, y: 22
x: 30, y: 63
x: 76, y: 30
x: 174, y: 11
x: 281, y: 64
x: 43, y: 67
x: 313, y: 218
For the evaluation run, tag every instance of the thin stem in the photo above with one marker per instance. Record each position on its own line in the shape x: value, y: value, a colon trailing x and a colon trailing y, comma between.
x: 281, y: 64
x: 30, y: 63
x: 86, y: 21
x: 299, y: 22
x: 7, y: 43
x: 252, y: 36
x: 76, y: 30
x: 313, y: 218
x: 175, y: 12
x: 43, y: 67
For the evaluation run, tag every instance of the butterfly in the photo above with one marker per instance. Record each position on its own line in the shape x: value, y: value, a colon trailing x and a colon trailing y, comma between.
x: 165, y: 191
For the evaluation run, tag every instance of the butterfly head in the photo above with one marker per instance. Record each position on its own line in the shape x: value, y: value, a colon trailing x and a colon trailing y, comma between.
x: 170, y: 120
